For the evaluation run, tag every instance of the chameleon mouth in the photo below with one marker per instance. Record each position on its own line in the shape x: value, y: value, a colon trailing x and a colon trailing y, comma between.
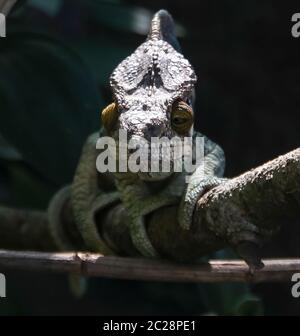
x: 152, y: 160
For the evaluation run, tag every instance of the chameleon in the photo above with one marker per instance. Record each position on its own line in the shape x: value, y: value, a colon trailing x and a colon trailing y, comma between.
x: 153, y: 96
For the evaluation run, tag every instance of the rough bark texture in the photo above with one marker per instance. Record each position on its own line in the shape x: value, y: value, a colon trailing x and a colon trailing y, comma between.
x: 263, y: 197
x: 24, y: 230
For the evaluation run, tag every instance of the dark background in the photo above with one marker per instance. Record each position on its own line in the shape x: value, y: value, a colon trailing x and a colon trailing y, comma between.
x: 248, y: 99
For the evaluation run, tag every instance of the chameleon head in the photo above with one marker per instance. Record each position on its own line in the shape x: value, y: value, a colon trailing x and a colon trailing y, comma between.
x: 153, y: 93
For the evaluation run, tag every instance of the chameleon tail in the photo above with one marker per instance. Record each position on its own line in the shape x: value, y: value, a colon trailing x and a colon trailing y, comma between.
x: 77, y: 283
x: 163, y: 28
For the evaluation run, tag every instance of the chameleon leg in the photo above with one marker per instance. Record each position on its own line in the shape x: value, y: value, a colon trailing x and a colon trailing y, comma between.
x: 205, y: 177
x: 86, y: 198
x: 137, y: 226
x: 140, y: 238
x: 139, y: 203
x: 55, y: 211
x: 245, y: 239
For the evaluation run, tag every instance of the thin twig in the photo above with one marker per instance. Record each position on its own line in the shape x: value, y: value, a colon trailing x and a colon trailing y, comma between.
x: 95, y: 265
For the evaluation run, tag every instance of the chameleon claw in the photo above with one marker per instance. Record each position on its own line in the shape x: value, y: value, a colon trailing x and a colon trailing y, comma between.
x: 196, y: 189
x: 249, y: 251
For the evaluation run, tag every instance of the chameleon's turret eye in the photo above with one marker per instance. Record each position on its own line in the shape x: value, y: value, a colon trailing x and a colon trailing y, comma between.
x: 182, y: 117
x: 109, y: 117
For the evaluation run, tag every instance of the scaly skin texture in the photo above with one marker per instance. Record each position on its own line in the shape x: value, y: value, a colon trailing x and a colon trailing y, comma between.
x: 87, y: 197
x: 145, y: 87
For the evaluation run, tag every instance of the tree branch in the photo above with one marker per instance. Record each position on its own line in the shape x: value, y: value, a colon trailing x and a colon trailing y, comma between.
x: 25, y: 230
x: 261, y: 197
x: 6, y: 6
x: 95, y: 265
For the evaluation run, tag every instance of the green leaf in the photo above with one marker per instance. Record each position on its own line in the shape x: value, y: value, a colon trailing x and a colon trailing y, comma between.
x: 49, y: 103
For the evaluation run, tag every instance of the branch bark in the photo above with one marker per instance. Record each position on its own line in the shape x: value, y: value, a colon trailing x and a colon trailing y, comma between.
x: 6, y: 6
x: 250, y: 207
x: 259, y: 199
x: 247, y: 209
x: 95, y: 265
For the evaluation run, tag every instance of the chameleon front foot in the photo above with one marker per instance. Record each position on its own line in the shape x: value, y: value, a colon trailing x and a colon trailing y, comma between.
x: 195, y: 190
x: 137, y: 226
x: 86, y: 222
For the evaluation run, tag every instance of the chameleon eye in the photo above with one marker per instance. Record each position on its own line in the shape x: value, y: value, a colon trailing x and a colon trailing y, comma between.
x: 181, y: 117
x: 109, y: 117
